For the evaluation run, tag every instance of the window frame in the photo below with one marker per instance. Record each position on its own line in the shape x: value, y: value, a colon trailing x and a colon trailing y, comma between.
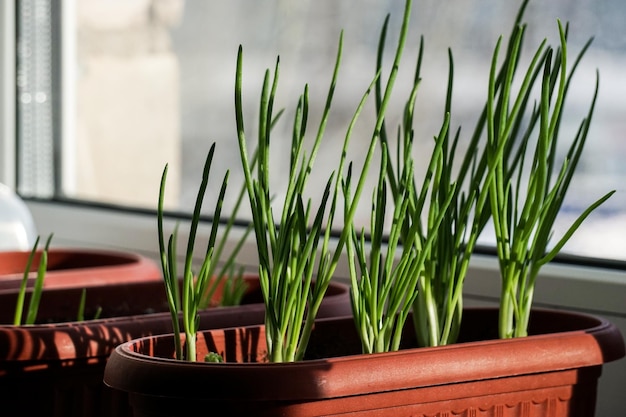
x: 8, y: 166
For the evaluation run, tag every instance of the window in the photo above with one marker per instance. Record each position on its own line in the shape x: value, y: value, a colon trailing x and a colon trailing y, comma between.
x: 110, y: 91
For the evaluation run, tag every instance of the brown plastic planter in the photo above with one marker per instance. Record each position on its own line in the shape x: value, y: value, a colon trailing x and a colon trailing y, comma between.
x: 57, y: 369
x: 78, y: 268
x: 553, y: 373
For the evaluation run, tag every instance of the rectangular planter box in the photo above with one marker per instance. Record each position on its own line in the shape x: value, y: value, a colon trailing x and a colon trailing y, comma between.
x: 552, y: 373
x: 57, y: 368
x: 69, y: 267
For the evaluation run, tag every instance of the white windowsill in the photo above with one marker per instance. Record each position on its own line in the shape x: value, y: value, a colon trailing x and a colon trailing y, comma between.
x: 571, y: 286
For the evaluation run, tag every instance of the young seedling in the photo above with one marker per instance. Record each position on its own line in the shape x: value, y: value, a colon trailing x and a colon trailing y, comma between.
x: 35, y: 298
x: 194, y: 286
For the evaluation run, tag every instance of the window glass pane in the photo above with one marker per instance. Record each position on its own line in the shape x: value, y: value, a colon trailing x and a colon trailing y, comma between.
x: 150, y: 82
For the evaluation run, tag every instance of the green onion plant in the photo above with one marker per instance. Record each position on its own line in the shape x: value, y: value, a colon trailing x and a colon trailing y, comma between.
x: 35, y: 298
x: 438, y: 307
x: 448, y: 212
x: 200, y: 288
x: 459, y: 198
x: 194, y: 286
x: 385, y: 288
x: 296, y: 261
x: 386, y: 285
x: 37, y: 291
x: 419, y: 262
x: 524, y: 207
x: 80, y: 315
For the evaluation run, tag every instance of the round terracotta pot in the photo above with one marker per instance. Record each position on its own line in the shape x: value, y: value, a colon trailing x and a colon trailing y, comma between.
x: 552, y: 373
x: 78, y: 268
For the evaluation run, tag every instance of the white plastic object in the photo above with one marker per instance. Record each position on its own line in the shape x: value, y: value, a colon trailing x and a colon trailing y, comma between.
x: 17, y: 227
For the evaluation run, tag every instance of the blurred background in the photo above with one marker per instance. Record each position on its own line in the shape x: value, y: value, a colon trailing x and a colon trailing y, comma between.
x: 109, y: 91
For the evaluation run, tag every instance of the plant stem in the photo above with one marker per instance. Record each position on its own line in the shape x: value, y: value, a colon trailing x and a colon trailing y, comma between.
x: 35, y: 297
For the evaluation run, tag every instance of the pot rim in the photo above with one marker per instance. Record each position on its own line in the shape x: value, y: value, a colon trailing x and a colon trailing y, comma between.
x: 599, y: 342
